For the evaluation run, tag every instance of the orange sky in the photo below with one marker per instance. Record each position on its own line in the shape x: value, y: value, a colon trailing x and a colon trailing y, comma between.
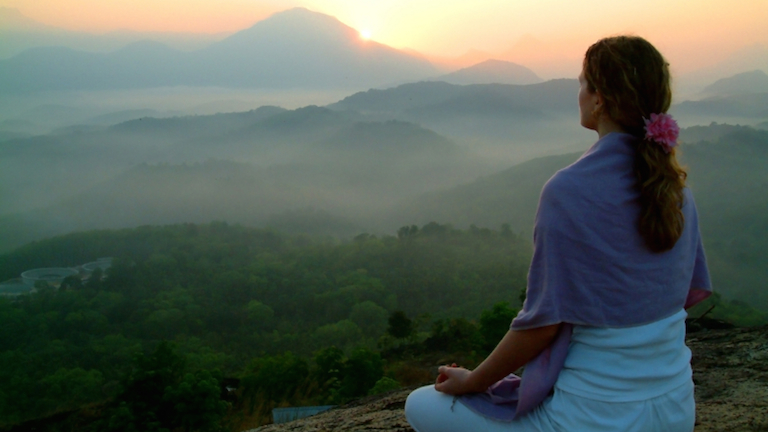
x: 693, y: 32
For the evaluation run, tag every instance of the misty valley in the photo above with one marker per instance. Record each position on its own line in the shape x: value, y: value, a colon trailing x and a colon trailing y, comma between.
x: 286, y: 253
x: 372, y: 162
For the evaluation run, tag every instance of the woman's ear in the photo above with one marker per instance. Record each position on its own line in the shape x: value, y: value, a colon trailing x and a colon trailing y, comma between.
x: 599, y: 104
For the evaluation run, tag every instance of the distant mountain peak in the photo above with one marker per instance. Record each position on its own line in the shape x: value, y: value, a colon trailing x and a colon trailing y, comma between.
x: 492, y: 71
x: 755, y: 81
x: 297, y: 48
x: 299, y: 11
x: 302, y: 13
x: 299, y: 20
x: 11, y: 19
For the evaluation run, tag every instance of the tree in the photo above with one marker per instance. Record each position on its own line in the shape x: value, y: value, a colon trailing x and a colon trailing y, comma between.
x: 277, y: 378
x: 454, y: 335
x: 370, y: 317
x: 259, y: 314
x: 494, y: 324
x: 384, y: 385
x: 400, y: 326
x: 70, y: 388
x: 144, y: 389
x: 329, y: 363
x: 343, y: 334
x: 361, y: 371
x: 71, y: 283
x: 196, y: 400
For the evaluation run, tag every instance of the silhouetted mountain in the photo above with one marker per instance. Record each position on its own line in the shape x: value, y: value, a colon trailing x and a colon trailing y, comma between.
x: 12, y: 19
x: 437, y: 99
x: 19, y: 33
x: 492, y: 72
x: 514, y: 121
x: 509, y: 196
x: 748, y: 58
x: 725, y: 173
x: 311, y: 157
x: 747, y: 106
x: 292, y: 49
x: 755, y: 81
x: 710, y: 133
x: 194, y: 126
x: 545, y: 57
x: 300, y: 48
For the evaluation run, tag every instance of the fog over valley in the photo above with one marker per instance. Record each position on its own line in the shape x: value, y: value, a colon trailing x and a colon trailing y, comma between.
x: 209, y: 210
x: 299, y: 124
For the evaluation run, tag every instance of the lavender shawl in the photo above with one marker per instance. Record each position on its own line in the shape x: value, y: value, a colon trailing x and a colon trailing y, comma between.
x: 591, y: 267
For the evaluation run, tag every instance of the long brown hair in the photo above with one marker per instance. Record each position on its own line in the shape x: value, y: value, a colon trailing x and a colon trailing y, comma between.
x: 633, y: 79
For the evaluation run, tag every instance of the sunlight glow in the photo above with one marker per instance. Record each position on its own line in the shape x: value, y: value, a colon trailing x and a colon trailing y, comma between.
x: 539, y: 34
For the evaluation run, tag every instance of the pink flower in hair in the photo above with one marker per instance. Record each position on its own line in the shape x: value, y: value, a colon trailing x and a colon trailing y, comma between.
x: 663, y: 129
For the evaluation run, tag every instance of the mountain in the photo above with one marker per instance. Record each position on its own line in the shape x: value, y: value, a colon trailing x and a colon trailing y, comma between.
x: 292, y: 49
x: 509, y: 196
x: 139, y: 65
x: 12, y: 19
x: 168, y: 170
x: 301, y: 48
x: 19, y: 33
x: 740, y: 98
x: 709, y: 133
x: 549, y: 59
x: 725, y: 108
x: 555, y: 96
x: 726, y: 173
x: 755, y: 81
x: 511, y: 122
x: 749, y: 58
x: 492, y: 72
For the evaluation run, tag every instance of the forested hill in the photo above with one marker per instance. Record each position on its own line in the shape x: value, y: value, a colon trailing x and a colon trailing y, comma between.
x: 257, y: 305
x: 727, y: 173
x: 234, y: 301
x: 248, y: 168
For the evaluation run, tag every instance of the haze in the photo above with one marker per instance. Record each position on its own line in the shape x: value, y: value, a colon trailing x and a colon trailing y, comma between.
x: 692, y: 33
x: 339, y: 117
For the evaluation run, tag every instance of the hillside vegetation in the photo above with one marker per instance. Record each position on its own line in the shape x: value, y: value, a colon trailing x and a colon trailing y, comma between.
x: 231, y: 298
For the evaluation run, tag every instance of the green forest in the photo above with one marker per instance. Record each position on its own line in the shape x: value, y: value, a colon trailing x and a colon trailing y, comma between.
x: 283, y: 320
x: 210, y: 326
x: 185, y: 307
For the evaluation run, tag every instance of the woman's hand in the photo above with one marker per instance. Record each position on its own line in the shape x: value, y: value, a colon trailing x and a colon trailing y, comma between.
x: 516, y: 349
x: 455, y: 381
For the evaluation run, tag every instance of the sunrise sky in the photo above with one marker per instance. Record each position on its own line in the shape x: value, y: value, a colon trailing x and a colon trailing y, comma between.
x: 692, y: 32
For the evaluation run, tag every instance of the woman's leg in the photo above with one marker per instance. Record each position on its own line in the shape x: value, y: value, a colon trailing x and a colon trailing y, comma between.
x: 671, y: 412
x: 428, y: 410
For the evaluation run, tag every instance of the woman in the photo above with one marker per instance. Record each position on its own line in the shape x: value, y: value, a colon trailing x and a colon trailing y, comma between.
x: 617, y: 259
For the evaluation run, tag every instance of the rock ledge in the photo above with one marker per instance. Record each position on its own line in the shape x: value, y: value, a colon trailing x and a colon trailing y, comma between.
x: 730, y: 369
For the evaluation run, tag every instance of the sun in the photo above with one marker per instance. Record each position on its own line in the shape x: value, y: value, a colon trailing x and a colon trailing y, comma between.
x: 365, y: 34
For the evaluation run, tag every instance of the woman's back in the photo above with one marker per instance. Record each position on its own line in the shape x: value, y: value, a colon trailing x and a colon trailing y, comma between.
x: 627, y: 364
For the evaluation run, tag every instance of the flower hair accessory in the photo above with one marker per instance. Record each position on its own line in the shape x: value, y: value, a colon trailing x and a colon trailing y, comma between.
x: 663, y: 129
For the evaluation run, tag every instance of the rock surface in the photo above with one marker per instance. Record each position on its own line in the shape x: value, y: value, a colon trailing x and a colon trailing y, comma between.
x: 730, y: 369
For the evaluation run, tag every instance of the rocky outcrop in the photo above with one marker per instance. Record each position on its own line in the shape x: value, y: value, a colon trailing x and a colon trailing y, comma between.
x: 730, y: 369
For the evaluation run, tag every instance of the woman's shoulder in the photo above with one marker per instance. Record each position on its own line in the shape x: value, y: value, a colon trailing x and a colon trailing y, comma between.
x: 609, y: 159
x: 564, y: 181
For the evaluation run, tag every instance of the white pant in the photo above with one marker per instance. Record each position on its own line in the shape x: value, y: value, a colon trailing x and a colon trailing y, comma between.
x: 428, y: 410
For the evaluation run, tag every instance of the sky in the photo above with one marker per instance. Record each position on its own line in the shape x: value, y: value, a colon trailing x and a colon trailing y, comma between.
x: 695, y: 33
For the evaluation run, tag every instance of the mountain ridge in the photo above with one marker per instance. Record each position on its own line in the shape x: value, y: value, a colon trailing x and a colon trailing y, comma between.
x: 492, y: 71
x: 277, y: 52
